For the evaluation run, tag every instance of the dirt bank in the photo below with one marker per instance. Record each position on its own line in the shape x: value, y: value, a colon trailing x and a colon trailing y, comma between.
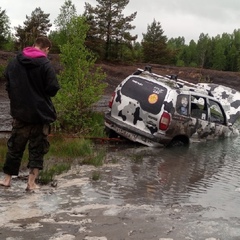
x: 117, y: 72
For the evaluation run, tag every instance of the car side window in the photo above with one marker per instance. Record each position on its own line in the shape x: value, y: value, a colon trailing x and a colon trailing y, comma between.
x: 216, y: 113
x: 198, y: 107
x: 183, y: 104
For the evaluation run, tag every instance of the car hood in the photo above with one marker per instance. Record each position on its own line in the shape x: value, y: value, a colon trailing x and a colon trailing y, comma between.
x: 228, y: 97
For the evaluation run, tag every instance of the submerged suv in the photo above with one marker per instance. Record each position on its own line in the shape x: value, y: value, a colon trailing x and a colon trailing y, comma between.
x: 165, y: 111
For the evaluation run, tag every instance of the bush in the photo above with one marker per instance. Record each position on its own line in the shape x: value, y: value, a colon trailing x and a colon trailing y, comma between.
x: 81, y: 82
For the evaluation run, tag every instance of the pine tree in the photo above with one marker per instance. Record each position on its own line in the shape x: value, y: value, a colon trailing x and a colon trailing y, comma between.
x: 67, y: 12
x: 60, y: 35
x: 108, y: 25
x: 177, y: 47
x: 35, y: 25
x: 218, y: 56
x: 202, y: 46
x: 4, y: 27
x: 154, y: 44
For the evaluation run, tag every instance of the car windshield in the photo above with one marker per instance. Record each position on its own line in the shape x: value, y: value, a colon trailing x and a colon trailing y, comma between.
x: 150, y: 95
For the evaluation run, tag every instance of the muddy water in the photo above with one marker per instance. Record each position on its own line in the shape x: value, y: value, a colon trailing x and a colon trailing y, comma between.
x: 143, y: 193
x: 206, y: 174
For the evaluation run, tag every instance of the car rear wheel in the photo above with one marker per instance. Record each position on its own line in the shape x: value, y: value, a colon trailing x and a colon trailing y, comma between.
x: 179, y: 142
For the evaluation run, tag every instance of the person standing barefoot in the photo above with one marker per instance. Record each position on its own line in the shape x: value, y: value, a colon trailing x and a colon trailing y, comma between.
x: 31, y: 82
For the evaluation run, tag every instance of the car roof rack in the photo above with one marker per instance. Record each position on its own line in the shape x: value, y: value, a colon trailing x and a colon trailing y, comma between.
x: 173, y: 79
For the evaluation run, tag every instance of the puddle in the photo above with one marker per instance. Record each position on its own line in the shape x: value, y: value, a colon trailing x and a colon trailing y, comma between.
x: 179, y: 193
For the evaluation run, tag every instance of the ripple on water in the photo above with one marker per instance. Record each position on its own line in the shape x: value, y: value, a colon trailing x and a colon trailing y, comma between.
x: 204, y: 174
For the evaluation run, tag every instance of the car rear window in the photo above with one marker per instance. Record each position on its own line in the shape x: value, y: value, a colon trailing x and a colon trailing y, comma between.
x: 150, y: 95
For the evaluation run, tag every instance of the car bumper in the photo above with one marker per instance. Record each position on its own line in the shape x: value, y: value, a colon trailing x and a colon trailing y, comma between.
x: 134, y: 134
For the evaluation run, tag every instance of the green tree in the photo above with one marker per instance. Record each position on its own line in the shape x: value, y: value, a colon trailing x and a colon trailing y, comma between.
x: 9, y: 44
x: 154, y: 44
x: 93, y: 40
x: 233, y: 54
x: 188, y: 55
x: 35, y: 25
x: 81, y: 82
x: 4, y: 28
x: 176, y: 47
x: 218, y: 56
x: 110, y: 26
x: 67, y: 12
x: 137, y: 51
x: 59, y: 36
x: 192, y: 53
x: 202, y: 47
x: 233, y: 59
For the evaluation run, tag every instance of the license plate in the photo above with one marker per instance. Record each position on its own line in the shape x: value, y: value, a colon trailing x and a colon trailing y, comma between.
x: 125, y: 133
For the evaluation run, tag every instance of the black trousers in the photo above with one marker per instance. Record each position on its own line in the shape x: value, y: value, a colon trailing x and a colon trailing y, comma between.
x: 35, y: 135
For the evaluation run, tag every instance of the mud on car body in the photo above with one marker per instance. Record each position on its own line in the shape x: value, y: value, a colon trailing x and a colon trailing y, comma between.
x: 165, y: 111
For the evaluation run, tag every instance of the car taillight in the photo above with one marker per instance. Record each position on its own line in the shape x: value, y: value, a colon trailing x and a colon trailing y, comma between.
x: 164, y: 121
x: 111, y: 100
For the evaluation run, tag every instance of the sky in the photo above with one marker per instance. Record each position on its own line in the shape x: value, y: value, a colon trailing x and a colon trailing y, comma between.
x: 178, y: 18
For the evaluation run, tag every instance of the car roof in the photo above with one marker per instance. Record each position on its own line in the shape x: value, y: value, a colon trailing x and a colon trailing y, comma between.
x: 171, y: 81
x: 229, y: 98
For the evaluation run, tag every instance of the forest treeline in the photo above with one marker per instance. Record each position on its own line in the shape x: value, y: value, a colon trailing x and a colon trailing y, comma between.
x: 109, y: 38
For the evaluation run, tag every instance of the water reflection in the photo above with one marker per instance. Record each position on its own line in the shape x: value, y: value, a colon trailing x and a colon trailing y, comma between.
x: 204, y: 173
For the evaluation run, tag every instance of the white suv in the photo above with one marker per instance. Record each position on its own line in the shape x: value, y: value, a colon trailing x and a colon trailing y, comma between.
x: 165, y: 111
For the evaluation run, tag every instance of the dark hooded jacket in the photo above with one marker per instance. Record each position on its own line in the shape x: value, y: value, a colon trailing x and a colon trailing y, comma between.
x: 31, y: 82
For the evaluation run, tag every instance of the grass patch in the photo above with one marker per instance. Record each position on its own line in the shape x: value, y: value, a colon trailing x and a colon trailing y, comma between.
x: 96, y: 175
x: 96, y: 158
x: 47, y: 175
x: 69, y: 147
x: 62, y: 154
x: 69, y: 150
x: 94, y: 125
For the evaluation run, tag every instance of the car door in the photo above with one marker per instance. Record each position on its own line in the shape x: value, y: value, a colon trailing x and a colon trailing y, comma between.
x: 200, y: 126
x: 192, y: 116
x: 218, y: 119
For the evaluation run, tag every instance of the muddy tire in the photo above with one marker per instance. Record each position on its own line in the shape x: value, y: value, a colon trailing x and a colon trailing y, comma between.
x: 178, y: 142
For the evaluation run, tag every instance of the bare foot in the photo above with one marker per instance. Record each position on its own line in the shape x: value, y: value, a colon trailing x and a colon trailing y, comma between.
x: 32, y: 187
x: 6, y: 181
x: 31, y: 184
x: 3, y: 184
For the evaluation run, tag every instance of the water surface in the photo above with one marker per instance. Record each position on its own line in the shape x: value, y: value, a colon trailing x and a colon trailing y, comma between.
x: 205, y: 174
